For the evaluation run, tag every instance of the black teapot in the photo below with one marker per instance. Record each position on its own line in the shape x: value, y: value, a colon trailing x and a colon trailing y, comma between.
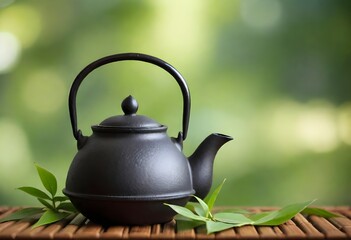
x: 129, y: 167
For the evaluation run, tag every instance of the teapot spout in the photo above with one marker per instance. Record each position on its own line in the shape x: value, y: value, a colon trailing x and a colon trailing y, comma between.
x: 201, y: 162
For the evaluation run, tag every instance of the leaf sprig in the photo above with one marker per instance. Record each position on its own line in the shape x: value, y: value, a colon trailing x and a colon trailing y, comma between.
x: 55, y: 207
x: 197, y: 214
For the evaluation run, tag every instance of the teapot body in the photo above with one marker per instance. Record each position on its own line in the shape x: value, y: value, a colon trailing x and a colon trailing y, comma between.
x: 128, y: 168
x: 116, y: 172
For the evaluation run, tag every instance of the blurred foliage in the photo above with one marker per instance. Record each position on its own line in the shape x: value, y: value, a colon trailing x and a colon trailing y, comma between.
x: 273, y: 74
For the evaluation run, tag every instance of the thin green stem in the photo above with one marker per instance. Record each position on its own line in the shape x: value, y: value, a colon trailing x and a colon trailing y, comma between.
x: 210, y: 215
x: 53, y: 203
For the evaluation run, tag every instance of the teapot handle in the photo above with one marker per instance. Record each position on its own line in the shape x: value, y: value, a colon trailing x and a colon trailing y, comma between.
x: 122, y: 57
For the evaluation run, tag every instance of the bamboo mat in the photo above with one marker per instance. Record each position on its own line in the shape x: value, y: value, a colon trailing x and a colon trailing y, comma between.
x: 78, y: 227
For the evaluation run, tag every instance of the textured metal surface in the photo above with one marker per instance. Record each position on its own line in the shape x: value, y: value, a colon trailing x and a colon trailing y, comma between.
x: 78, y: 227
x: 126, y: 177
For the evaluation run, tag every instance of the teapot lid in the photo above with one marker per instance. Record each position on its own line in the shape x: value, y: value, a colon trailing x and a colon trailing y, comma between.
x: 130, y: 121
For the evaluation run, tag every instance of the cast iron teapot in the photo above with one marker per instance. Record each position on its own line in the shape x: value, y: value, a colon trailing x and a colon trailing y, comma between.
x: 129, y: 167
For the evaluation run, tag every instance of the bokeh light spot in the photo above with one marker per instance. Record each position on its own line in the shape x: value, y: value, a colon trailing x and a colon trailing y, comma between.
x: 345, y: 123
x: 186, y: 34
x: 297, y: 127
x: 23, y: 21
x: 14, y: 150
x: 260, y: 14
x: 317, y: 130
x: 44, y: 92
x: 9, y: 51
x: 281, y: 116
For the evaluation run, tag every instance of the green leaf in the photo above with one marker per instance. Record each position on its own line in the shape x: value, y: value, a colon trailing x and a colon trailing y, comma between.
x: 228, y: 217
x: 211, y: 199
x: 67, y: 206
x: 48, y: 180
x: 218, y: 226
x: 183, y: 225
x: 186, y: 212
x: 60, y: 198
x: 319, y: 212
x: 46, y: 204
x: 205, y: 210
x: 181, y: 218
x: 256, y: 216
x: 199, y: 210
x: 236, y: 210
x: 23, y: 213
x: 35, y: 192
x: 268, y: 219
x: 281, y: 216
x: 50, y: 217
x: 196, y: 208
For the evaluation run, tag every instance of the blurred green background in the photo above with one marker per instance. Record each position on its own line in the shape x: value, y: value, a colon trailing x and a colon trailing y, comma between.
x: 276, y: 75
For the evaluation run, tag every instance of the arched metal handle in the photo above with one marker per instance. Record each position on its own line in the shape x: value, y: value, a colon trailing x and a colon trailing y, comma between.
x: 123, y: 57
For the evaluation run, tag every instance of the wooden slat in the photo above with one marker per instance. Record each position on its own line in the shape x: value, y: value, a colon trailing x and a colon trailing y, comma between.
x: 5, y: 213
x: 12, y: 231
x: 186, y: 234
x: 78, y: 227
x: 140, y: 232
x: 88, y: 231
x: 52, y: 229
x: 125, y: 232
x: 9, y: 230
x: 226, y: 234
x: 307, y: 227
x: 155, y: 230
x: 278, y: 232
x: 342, y: 223
x: 329, y: 230
x: 346, y: 213
x: 247, y: 232
x: 3, y: 209
x: 267, y: 233
x: 290, y: 230
x: 337, y: 208
x: 167, y: 231
x: 29, y: 232
x: 5, y: 225
x: 69, y: 230
x: 114, y: 232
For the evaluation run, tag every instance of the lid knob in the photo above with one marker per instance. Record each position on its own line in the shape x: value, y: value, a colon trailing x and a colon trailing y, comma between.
x: 129, y: 105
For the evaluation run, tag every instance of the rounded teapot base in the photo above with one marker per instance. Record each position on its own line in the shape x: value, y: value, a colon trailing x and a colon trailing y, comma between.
x: 127, y: 212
